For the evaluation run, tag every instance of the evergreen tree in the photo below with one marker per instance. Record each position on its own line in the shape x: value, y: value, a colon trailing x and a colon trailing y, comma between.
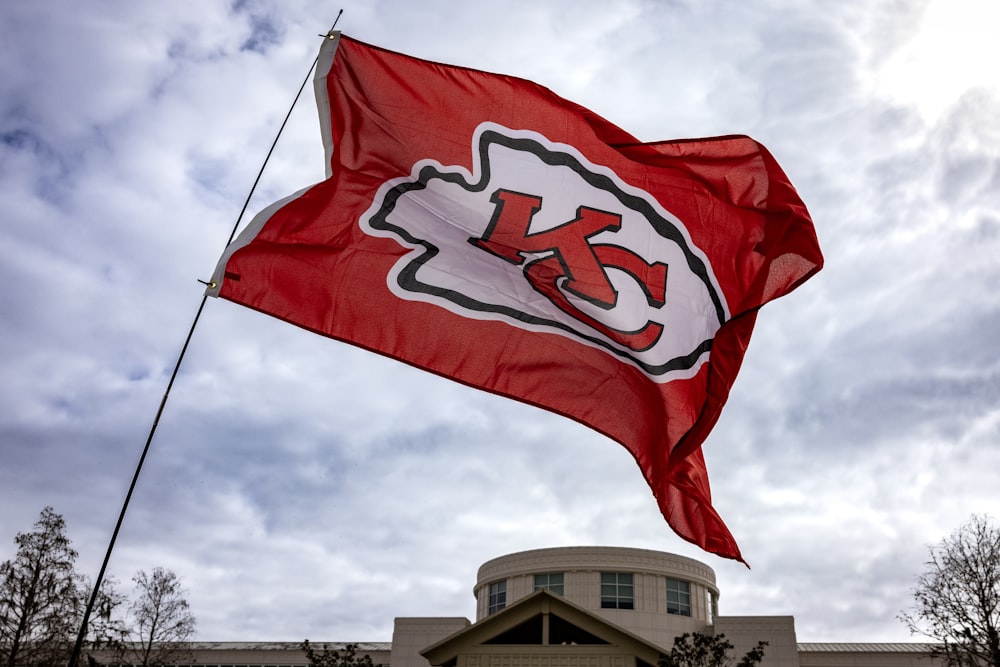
x: 698, y: 650
x: 327, y: 657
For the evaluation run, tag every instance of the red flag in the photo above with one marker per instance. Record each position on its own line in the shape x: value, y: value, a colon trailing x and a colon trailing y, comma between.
x: 482, y: 228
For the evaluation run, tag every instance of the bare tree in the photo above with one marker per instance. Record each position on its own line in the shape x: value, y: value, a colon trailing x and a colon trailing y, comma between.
x: 41, y: 597
x: 699, y: 650
x: 160, y: 621
x: 957, y: 598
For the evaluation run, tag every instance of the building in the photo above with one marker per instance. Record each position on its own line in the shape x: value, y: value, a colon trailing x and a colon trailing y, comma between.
x: 581, y: 607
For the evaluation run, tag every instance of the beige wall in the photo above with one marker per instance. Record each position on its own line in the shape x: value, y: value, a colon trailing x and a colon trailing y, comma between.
x: 536, y: 659
x: 412, y: 635
x: 778, y: 631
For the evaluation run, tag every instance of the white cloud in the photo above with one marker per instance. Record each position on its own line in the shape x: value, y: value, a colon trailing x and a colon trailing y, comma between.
x: 952, y: 51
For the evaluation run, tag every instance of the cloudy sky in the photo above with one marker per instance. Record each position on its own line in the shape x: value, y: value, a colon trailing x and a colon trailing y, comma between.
x: 304, y: 488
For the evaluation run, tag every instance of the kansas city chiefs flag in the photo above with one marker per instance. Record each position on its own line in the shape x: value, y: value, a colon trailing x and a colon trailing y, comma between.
x: 482, y: 228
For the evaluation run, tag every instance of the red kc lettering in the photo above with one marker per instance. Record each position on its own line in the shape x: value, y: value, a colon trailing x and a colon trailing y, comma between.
x: 575, y: 265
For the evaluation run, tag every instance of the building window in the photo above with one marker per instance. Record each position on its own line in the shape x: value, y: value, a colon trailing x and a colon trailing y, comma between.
x: 712, y: 605
x: 498, y: 596
x: 617, y: 590
x: 678, y: 597
x: 553, y: 582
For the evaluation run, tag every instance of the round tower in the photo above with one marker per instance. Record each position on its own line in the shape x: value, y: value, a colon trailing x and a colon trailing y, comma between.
x: 656, y: 595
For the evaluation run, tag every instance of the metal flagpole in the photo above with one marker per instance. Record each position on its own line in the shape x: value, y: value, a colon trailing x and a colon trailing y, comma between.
x: 81, y: 636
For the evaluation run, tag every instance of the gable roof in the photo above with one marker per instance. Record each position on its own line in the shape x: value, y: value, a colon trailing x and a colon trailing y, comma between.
x: 543, y: 619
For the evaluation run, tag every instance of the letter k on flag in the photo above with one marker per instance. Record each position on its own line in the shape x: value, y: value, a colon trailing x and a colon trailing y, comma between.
x: 482, y: 228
